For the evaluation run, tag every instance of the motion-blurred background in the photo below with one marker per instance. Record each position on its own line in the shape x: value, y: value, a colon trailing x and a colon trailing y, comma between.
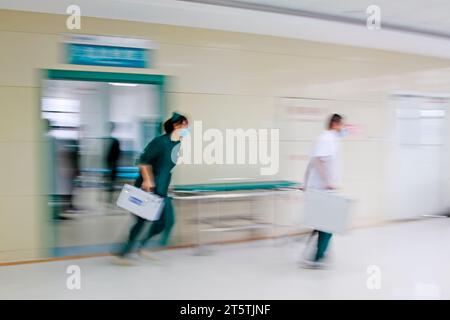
x: 230, y: 64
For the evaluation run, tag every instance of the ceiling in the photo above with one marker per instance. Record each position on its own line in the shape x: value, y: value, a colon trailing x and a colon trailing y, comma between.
x: 429, y: 17
x: 409, y: 26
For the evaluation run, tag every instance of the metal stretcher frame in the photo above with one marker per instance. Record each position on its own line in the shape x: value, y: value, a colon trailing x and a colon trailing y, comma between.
x: 246, y: 190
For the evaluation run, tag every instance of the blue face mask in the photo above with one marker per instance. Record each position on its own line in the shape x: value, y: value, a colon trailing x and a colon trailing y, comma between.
x: 343, y: 132
x: 184, y: 132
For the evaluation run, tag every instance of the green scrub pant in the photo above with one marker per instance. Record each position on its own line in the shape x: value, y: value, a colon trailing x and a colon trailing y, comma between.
x: 163, y: 225
x: 322, y: 244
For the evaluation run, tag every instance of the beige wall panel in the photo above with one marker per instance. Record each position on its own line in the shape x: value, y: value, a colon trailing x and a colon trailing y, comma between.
x: 53, y: 24
x: 20, y: 223
x: 23, y: 54
x: 19, y: 170
x: 220, y: 112
x: 19, y: 114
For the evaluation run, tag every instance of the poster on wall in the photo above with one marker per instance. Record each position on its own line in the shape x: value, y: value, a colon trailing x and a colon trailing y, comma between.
x: 299, y: 118
x: 300, y: 121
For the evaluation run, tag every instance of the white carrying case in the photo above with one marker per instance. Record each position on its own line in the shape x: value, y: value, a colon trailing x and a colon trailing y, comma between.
x: 326, y: 211
x: 140, y: 203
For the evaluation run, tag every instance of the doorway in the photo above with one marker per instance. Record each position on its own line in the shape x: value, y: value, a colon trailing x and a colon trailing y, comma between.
x: 97, y: 125
x: 419, y: 175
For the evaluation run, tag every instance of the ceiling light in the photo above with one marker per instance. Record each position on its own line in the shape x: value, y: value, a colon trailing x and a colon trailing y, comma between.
x: 122, y: 84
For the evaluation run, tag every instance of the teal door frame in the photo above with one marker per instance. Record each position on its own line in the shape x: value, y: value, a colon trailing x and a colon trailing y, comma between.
x: 99, y: 76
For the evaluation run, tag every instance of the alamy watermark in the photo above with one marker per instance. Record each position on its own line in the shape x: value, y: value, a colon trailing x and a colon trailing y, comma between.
x: 374, y: 18
x: 73, y: 22
x: 73, y: 281
x: 231, y: 146
x: 373, y: 281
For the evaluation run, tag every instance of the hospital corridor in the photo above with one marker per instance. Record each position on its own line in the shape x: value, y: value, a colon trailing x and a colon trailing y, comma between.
x: 224, y: 158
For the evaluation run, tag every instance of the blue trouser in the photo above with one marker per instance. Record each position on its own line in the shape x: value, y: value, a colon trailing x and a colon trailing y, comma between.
x: 163, y: 225
x: 322, y: 244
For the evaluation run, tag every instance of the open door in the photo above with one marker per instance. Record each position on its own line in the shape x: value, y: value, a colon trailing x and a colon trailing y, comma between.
x: 97, y: 125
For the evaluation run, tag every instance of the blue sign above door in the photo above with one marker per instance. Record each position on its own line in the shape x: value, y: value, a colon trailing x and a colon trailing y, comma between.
x: 107, y: 51
x: 107, y: 56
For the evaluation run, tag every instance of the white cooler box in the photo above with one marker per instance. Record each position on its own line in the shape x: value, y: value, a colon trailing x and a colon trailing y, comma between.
x: 326, y: 211
x: 143, y: 204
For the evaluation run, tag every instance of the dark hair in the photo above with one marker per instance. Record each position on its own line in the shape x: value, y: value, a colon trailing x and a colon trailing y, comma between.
x: 176, y: 118
x: 335, y: 118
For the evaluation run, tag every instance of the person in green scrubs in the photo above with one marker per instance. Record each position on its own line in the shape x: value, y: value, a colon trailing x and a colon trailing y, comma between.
x: 155, y: 166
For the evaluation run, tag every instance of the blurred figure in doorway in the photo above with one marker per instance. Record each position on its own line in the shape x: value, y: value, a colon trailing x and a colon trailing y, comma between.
x: 49, y: 169
x: 112, y: 156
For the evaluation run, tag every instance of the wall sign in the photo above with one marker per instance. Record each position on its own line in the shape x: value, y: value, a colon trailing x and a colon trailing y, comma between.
x: 108, y: 51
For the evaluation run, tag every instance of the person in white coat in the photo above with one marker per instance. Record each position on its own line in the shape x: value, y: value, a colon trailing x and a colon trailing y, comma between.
x: 322, y: 173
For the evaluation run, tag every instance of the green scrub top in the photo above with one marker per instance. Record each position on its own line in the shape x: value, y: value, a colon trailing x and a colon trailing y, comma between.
x: 162, y: 154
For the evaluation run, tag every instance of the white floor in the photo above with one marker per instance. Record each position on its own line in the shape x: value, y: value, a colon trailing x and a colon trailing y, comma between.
x: 413, y: 259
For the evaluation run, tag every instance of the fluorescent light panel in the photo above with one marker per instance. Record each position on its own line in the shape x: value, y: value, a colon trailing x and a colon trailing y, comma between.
x: 122, y: 84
